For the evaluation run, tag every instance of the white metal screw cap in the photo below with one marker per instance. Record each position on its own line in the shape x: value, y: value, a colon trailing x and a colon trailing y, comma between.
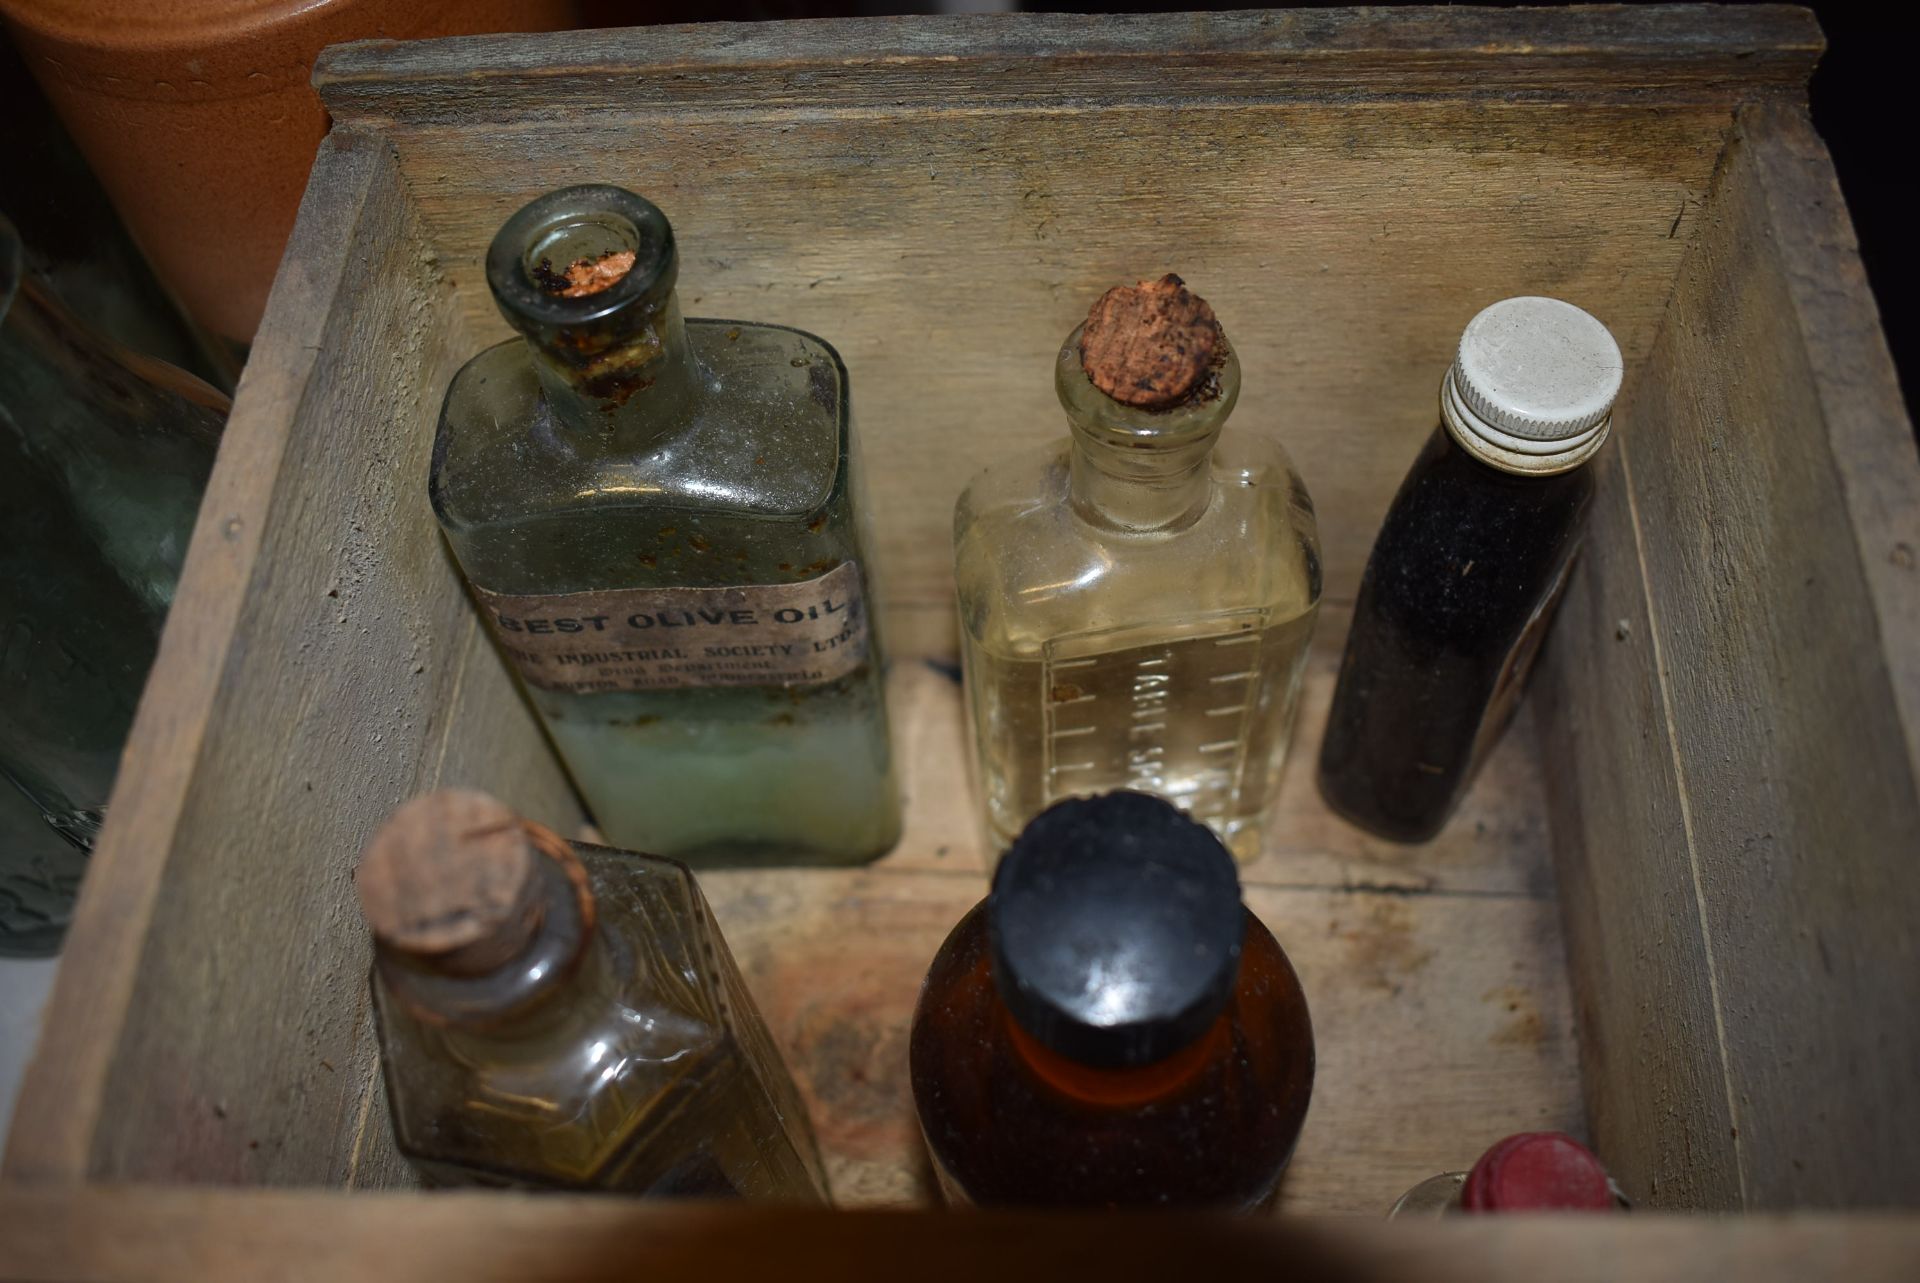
x: 1532, y: 387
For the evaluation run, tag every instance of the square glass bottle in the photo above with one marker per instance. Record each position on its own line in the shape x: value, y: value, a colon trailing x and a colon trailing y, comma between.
x: 660, y: 521
x: 1136, y: 600
x: 554, y: 1015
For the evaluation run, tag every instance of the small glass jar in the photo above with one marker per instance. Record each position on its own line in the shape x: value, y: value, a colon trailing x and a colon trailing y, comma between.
x: 1529, y: 1172
x: 562, y: 1016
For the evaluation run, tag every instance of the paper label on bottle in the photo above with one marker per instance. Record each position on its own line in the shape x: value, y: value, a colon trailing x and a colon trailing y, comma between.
x: 641, y: 639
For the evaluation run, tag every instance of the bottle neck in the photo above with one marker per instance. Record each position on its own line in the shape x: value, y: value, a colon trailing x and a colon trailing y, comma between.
x: 1141, y: 470
x: 525, y: 992
x: 1140, y: 491
x: 641, y: 387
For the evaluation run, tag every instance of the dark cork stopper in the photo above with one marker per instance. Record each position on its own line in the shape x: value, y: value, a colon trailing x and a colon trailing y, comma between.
x: 450, y: 878
x: 1149, y: 345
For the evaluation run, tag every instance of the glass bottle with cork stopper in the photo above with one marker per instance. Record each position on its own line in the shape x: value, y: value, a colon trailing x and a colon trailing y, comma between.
x: 1469, y: 566
x: 1136, y: 600
x: 1112, y: 1027
x: 557, y: 1015
x: 1530, y: 1172
x: 660, y: 520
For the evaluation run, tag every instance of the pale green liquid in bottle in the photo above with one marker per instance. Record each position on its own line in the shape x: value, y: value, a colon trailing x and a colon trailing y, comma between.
x: 702, y: 455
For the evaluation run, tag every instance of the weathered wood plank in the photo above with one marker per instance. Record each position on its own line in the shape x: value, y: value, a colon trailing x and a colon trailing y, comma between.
x: 1580, y: 53
x: 229, y: 1236
x: 1650, y: 1055
x: 1443, y: 1021
x: 208, y: 1022
x: 1344, y: 247
x: 1773, y: 486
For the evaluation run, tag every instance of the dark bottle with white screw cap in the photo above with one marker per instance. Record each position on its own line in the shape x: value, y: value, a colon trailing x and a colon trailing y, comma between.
x: 1469, y: 566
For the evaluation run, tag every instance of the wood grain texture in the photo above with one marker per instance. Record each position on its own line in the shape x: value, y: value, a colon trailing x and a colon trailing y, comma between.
x: 226, y: 1236
x: 1443, y: 1022
x: 209, y: 1021
x: 1580, y: 53
x: 1650, y: 1053
x: 943, y: 200
x: 1772, y: 485
x: 1435, y: 974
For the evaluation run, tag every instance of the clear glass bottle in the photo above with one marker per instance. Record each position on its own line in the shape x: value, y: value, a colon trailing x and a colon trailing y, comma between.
x: 556, y: 1015
x: 103, y: 457
x: 1530, y: 1172
x: 1136, y: 600
x: 660, y: 519
x: 1111, y: 1027
x: 1469, y: 566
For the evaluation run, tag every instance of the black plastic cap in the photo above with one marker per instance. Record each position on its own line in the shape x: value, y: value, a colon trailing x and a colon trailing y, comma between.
x: 573, y: 223
x: 1116, y: 926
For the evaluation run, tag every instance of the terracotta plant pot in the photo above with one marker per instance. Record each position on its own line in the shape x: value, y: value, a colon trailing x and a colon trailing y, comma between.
x: 198, y: 118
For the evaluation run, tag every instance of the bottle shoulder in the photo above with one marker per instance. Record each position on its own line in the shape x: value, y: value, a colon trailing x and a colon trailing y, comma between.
x: 769, y: 437
x: 1029, y: 566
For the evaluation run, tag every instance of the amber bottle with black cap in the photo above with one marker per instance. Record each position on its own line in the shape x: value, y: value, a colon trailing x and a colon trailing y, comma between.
x: 564, y: 1016
x: 1111, y: 1027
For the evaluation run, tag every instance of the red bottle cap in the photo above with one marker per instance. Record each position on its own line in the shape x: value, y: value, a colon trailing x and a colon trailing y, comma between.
x: 1538, y: 1172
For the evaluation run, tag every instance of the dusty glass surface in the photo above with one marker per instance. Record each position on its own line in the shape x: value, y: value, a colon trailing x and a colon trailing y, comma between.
x: 697, y: 454
x: 1135, y: 605
x: 1431, y: 1199
x: 628, y: 1056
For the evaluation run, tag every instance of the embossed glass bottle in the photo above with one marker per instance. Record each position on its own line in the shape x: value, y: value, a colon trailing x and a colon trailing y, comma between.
x: 1136, y: 601
x: 660, y: 520
x: 555, y: 1015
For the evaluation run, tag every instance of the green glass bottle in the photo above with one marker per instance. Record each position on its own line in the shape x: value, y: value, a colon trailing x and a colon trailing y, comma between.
x: 660, y: 521
x: 103, y: 457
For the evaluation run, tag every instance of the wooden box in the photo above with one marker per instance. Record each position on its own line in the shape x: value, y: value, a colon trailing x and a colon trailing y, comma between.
x: 1677, y: 912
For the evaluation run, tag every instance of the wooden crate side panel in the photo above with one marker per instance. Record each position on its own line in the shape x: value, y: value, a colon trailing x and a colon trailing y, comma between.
x: 1571, y: 54
x: 214, y: 1028
x: 1771, y: 474
x: 947, y: 253
x: 1651, y: 1062
x: 1796, y: 762
x: 229, y: 1236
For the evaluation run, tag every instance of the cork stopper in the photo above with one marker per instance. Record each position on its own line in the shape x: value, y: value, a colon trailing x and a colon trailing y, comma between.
x: 451, y: 879
x: 1149, y: 345
x: 585, y: 276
